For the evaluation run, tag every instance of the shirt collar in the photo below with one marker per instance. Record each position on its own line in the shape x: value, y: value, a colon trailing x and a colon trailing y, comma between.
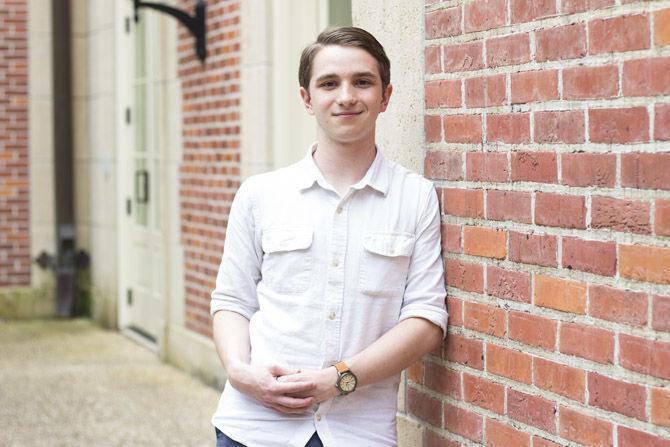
x: 377, y: 175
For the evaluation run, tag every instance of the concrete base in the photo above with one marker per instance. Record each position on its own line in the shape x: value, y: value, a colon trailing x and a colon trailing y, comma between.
x: 28, y: 302
x: 195, y: 354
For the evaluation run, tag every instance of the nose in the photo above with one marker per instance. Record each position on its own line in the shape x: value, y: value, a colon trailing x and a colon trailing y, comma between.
x: 346, y: 94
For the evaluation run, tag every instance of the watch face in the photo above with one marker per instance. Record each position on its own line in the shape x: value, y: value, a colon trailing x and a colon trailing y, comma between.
x: 347, y: 382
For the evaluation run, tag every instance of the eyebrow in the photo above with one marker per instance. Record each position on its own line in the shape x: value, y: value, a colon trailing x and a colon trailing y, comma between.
x: 360, y: 74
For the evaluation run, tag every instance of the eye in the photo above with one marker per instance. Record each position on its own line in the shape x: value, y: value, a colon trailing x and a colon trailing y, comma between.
x: 328, y: 84
x: 363, y: 82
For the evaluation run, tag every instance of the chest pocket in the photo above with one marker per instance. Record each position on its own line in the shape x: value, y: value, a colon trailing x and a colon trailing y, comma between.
x: 287, y: 262
x: 384, y: 263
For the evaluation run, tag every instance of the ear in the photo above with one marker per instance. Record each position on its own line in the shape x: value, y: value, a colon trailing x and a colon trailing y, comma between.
x: 306, y: 100
x: 386, y: 97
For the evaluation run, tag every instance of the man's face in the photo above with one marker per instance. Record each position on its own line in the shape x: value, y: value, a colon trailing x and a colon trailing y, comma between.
x: 345, y: 94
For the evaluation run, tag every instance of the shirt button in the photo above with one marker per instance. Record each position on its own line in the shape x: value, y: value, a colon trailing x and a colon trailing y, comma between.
x: 318, y: 417
x: 335, y: 263
x: 332, y: 315
x: 339, y: 209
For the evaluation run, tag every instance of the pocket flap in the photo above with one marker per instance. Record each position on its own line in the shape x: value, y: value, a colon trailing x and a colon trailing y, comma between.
x: 286, y: 239
x: 389, y: 244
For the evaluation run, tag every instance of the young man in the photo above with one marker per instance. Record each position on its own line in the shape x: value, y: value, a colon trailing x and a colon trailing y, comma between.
x: 331, y: 281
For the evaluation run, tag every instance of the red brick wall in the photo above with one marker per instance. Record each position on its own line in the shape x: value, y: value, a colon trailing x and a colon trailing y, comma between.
x: 210, y: 167
x: 14, y: 181
x: 547, y: 127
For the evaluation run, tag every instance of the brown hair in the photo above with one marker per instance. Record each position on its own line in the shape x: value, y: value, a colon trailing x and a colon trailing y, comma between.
x: 346, y: 36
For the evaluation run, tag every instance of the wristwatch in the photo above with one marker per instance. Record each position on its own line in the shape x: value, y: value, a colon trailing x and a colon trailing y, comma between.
x: 346, y: 380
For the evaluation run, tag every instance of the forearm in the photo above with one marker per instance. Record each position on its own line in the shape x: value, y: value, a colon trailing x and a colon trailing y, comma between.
x: 401, y: 346
x: 231, y: 338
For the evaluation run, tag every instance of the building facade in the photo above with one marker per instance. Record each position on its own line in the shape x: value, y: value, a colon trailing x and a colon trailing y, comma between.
x: 544, y: 125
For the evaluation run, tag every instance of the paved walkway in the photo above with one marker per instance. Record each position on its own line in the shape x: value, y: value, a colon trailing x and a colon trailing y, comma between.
x: 69, y: 383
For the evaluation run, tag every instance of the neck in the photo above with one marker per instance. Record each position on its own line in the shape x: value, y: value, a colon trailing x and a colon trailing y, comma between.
x: 344, y: 164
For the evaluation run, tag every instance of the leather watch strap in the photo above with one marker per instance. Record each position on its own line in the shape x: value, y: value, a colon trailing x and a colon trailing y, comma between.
x: 341, y: 367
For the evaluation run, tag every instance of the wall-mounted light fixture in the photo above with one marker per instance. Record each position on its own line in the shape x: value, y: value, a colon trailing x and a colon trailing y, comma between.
x: 195, y: 24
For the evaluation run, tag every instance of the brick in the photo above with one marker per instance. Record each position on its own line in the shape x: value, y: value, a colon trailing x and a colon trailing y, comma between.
x: 433, y: 128
x: 511, y: 128
x: 463, y: 56
x: 584, y: 169
x: 463, y: 422
x: 433, y: 59
x: 484, y: 393
x: 560, y: 43
x: 532, y: 86
x: 443, y: 23
x: 489, y: 320
x: 660, y: 406
x: 508, y: 50
x: 455, y: 310
x: 584, y: 429
x: 485, y: 91
x: 633, y: 438
x: 424, y: 406
x: 619, y: 125
x: 620, y: 306
x: 508, y: 363
x: 443, y: 380
x: 537, y: 167
x: 646, y: 77
x: 660, y: 312
x: 532, y: 330
x: 646, y: 170
x: 465, y: 351
x: 508, y: 205
x: 507, y: 284
x: 443, y: 93
x: 415, y: 372
x: 463, y: 128
x: 542, y: 442
x: 630, y: 216
x: 560, y: 379
x: 587, y: 342
x: 502, y: 435
x: 451, y: 238
x: 662, y: 219
x: 463, y: 202
x: 486, y: 167
x: 624, y: 33
x: 481, y: 15
x: 662, y: 122
x: 559, y: 127
x: 464, y: 275
x: 571, y: 6
x: 644, y: 356
x: 662, y: 27
x: 560, y: 294
x: 524, y: 11
x: 532, y: 410
x: 485, y: 242
x: 591, y: 82
x: 557, y: 210
x: 435, y: 440
x: 446, y: 165
x: 644, y: 263
x: 534, y: 249
x: 617, y: 396
x: 589, y: 256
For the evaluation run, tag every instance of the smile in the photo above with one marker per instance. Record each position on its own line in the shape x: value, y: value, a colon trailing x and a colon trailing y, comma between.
x: 346, y: 114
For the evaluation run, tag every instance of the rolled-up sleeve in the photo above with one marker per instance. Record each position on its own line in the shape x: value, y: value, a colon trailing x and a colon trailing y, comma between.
x: 240, y: 268
x: 425, y: 291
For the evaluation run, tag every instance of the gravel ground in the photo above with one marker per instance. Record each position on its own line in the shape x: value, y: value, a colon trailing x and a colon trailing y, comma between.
x: 70, y: 383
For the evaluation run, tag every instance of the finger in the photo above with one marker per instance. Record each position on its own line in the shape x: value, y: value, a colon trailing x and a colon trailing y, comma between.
x: 278, y: 370
x: 291, y: 378
x: 292, y: 387
x: 286, y: 410
x: 295, y: 403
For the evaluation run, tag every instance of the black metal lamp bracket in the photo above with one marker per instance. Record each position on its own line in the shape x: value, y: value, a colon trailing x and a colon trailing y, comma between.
x: 195, y: 24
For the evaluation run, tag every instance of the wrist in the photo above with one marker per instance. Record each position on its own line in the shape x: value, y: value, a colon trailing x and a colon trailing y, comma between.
x: 237, y: 371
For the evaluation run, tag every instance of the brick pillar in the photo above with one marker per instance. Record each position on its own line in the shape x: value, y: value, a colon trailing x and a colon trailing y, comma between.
x: 210, y: 168
x: 14, y: 180
x: 546, y: 134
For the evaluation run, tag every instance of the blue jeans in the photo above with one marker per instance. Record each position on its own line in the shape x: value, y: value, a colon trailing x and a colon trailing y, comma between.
x: 224, y: 441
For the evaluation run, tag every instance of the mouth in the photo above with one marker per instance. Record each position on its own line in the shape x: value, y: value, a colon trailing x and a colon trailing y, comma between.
x: 347, y: 114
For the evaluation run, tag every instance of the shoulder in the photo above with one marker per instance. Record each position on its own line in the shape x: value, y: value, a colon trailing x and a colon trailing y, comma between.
x: 406, y: 180
x: 271, y: 182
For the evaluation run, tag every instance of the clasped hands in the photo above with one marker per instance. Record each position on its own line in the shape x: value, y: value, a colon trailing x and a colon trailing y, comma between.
x: 286, y: 390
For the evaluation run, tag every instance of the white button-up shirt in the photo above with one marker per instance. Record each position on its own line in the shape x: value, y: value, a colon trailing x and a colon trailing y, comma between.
x: 321, y: 277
